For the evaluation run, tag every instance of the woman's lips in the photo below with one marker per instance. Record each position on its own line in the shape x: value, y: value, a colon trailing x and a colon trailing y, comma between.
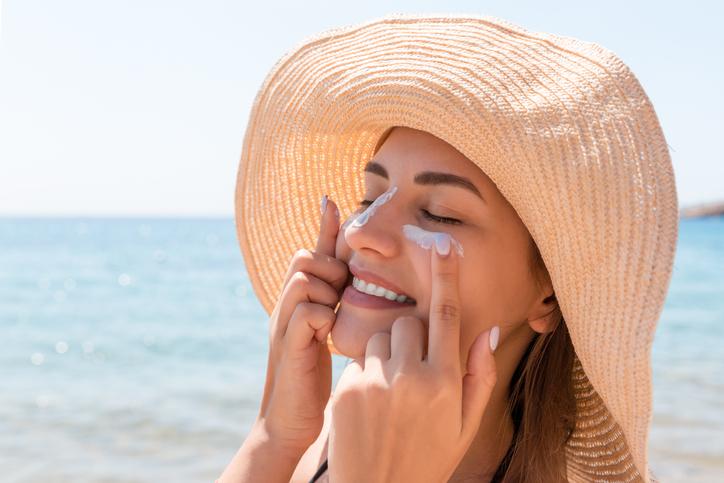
x: 353, y: 296
x: 372, y: 277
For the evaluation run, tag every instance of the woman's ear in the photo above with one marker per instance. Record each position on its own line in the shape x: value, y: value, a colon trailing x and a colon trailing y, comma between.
x: 545, y: 315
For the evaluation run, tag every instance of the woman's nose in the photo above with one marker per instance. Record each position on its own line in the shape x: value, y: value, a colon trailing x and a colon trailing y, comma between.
x: 375, y: 227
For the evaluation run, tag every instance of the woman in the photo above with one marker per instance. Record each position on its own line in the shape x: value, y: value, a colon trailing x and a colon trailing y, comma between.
x: 554, y: 198
x: 501, y: 278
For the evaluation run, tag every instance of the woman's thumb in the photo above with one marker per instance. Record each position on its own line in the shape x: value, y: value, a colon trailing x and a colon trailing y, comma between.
x: 479, y: 381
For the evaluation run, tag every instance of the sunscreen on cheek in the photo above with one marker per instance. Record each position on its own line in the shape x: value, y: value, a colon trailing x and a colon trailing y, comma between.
x: 426, y: 239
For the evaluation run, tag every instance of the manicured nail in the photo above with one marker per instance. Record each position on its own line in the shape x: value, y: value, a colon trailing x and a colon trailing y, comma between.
x: 494, y: 336
x: 442, y: 243
x: 324, y: 205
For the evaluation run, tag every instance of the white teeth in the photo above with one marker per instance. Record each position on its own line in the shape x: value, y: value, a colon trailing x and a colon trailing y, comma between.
x: 372, y: 289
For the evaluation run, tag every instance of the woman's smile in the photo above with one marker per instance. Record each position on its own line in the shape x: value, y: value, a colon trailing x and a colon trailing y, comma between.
x: 369, y: 290
x: 362, y: 299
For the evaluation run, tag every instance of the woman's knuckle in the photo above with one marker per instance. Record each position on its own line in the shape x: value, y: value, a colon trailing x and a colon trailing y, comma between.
x: 303, y: 310
x: 376, y: 388
x: 447, y: 311
x: 439, y: 383
x: 301, y: 259
x: 303, y: 253
x: 404, y: 380
x: 300, y: 280
x: 343, y: 399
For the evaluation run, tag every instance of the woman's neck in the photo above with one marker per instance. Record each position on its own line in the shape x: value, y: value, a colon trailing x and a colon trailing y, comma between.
x: 490, y: 444
x: 496, y: 431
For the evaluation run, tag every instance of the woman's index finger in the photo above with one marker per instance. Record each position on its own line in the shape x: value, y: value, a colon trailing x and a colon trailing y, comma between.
x: 444, y: 338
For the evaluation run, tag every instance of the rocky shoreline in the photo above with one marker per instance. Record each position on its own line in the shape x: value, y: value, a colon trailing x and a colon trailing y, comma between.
x: 703, y: 210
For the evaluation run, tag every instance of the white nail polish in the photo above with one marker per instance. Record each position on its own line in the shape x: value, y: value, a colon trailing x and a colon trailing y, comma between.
x: 323, y: 208
x: 494, y: 337
x: 442, y: 243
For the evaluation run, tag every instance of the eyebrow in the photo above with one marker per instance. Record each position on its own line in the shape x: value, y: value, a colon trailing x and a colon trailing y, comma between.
x: 430, y: 178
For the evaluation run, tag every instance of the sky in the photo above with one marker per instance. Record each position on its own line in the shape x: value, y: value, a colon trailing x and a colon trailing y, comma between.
x: 139, y: 107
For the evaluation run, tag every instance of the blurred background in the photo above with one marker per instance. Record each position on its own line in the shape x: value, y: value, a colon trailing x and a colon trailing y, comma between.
x: 133, y: 347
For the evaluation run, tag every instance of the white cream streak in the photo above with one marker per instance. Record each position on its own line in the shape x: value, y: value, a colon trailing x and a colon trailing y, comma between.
x: 371, y: 209
x: 426, y: 239
x: 345, y: 226
x: 361, y: 218
x: 347, y: 222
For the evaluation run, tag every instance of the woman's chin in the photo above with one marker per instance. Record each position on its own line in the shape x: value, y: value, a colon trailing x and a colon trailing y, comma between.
x: 353, y: 327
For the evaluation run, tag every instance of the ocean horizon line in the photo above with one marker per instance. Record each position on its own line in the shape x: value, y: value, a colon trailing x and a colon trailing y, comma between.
x: 111, y: 216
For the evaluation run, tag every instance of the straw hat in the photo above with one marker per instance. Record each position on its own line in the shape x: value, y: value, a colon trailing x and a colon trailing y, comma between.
x: 561, y: 126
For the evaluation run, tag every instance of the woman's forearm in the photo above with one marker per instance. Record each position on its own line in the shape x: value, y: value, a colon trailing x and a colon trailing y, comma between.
x: 260, y: 459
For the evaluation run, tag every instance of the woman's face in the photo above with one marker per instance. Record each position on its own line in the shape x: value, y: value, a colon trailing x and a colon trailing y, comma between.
x: 496, y: 285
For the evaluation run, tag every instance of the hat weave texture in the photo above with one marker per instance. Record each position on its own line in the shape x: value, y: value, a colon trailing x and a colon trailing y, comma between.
x: 561, y: 126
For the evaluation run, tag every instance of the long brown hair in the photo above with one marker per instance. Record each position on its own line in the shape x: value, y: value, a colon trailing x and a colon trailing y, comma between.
x: 541, y: 402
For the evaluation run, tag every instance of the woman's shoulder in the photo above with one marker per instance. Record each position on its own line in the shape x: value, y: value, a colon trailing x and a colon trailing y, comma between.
x: 315, y: 455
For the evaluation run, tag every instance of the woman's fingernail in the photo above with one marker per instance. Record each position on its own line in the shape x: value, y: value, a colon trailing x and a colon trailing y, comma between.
x: 494, y: 336
x: 323, y: 208
x: 442, y: 243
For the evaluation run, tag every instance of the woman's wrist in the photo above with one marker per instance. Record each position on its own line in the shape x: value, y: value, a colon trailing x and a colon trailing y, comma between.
x: 275, y: 442
x: 262, y: 457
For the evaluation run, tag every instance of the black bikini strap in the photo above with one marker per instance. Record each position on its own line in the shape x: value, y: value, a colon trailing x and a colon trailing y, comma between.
x: 319, y: 472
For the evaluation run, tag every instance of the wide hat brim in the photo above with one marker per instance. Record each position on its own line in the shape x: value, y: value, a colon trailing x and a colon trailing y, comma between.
x: 561, y: 126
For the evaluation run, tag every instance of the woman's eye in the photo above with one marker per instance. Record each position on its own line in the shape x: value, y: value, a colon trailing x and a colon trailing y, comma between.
x: 365, y: 203
x: 440, y: 219
x: 426, y: 214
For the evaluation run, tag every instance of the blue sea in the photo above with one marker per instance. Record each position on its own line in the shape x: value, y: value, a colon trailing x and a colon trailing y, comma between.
x: 135, y: 350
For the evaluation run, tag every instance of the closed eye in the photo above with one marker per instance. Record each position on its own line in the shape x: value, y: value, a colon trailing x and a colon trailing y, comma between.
x: 426, y: 214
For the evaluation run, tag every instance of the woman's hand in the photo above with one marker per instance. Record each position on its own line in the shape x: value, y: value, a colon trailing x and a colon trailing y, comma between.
x: 299, y: 368
x: 400, y: 417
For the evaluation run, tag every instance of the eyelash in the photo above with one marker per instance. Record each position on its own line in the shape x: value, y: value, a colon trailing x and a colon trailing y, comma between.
x: 427, y: 214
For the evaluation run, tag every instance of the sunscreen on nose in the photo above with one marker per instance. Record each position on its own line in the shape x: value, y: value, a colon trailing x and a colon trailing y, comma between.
x: 371, y: 209
x: 345, y: 225
x: 362, y: 218
x: 347, y: 222
x: 426, y: 239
